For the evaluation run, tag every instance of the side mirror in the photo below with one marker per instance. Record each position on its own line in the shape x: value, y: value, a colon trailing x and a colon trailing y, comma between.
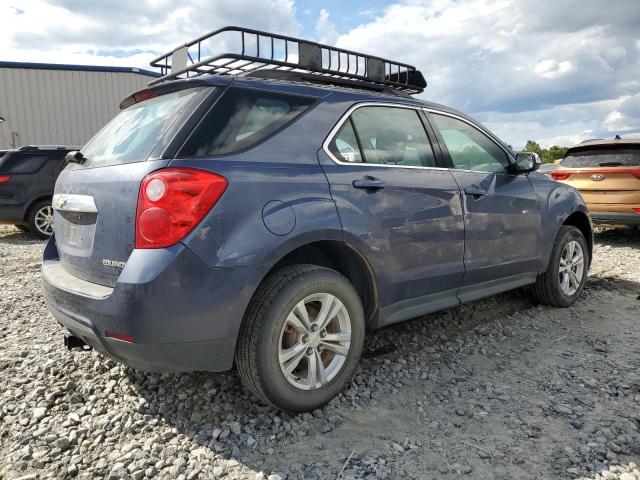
x: 75, y: 156
x: 526, y: 162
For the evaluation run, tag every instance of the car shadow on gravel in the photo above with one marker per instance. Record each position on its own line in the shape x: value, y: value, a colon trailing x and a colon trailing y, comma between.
x: 215, y: 412
x: 618, y: 236
x: 218, y: 415
x: 15, y: 236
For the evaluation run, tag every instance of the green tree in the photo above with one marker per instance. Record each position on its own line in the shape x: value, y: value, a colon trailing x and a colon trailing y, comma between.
x: 532, y: 146
x: 547, y: 155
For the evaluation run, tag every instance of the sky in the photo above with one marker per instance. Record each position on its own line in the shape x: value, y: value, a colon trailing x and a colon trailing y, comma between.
x: 554, y: 71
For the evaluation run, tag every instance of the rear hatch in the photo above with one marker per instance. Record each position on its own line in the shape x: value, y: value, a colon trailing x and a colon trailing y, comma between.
x: 95, y: 200
x: 608, y: 177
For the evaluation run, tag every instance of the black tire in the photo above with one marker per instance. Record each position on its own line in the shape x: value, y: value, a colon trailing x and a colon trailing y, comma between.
x: 257, y: 350
x: 547, y: 289
x: 23, y: 228
x: 31, y: 219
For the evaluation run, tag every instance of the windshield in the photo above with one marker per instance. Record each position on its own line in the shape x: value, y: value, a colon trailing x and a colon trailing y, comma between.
x: 628, y: 157
x: 132, y: 134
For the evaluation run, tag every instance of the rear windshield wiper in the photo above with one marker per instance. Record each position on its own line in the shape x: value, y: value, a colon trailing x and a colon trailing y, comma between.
x: 75, y: 156
x: 611, y: 164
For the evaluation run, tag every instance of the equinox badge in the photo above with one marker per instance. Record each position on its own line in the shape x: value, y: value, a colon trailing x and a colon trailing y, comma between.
x: 113, y: 263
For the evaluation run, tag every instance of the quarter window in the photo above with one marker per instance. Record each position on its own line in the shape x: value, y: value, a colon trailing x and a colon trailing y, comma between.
x: 469, y: 148
x: 241, y: 118
x: 344, y: 145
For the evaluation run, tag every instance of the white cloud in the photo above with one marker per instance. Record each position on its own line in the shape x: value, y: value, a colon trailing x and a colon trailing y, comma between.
x: 516, y: 60
x: 325, y: 30
x: 625, y: 117
x: 544, y: 70
x: 566, y: 140
x: 121, y: 32
x: 552, y: 69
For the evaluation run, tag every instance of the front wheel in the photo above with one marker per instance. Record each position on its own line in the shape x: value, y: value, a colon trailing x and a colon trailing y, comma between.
x: 566, y: 273
x: 301, y: 339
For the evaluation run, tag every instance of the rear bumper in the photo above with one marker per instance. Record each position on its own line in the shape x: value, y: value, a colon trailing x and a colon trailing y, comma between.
x: 615, y: 218
x: 182, y: 314
x: 212, y: 355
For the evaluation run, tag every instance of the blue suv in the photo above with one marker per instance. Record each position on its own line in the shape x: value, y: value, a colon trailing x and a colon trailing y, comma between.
x: 265, y: 213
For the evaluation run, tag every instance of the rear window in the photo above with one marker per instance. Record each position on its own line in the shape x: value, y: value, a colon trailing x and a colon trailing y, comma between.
x: 132, y: 134
x: 24, y: 163
x: 629, y: 157
x: 241, y: 119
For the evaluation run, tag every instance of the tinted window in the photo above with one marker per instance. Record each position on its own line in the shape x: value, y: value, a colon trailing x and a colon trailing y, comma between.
x: 19, y: 162
x: 469, y: 148
x: 392, y: 136
x: 136, y: 130
x: 344, y: 145
x: 627, y: 157
x: 242, y: 118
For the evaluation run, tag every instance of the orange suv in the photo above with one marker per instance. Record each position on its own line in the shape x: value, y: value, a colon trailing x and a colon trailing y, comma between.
x: 607, y: 174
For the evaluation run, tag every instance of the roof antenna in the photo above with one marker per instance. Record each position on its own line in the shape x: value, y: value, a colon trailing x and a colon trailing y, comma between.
x: 617, y: 137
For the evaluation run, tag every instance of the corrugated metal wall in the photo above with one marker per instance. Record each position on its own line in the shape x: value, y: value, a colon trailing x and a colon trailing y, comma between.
x: 59, y: 107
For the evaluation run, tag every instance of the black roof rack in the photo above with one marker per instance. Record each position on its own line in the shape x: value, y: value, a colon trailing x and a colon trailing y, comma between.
x: 244, y: 50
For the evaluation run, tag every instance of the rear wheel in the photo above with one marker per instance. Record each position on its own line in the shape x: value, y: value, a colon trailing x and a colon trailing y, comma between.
x: 40, y: 219
x: 301, y: 339
x: 566, y: 274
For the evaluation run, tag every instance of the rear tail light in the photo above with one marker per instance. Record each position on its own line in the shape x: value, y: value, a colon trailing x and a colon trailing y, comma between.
x: 4, y: 178
x: 564, y: 174
x: 171, y: 202
x: 637, y: 209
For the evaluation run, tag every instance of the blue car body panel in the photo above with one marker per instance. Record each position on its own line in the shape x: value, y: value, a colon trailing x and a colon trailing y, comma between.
x: 428, y: 244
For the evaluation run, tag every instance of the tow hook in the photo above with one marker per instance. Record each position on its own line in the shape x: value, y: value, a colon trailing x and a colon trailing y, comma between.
x: 71, y: 342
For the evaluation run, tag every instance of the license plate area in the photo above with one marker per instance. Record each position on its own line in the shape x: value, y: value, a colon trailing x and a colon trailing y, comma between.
x: 75, y: 232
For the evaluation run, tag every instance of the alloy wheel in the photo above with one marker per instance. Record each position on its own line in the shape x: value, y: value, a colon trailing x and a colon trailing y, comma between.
x: 571, y: 268
x: 44, y: 220
x: 314, y: 341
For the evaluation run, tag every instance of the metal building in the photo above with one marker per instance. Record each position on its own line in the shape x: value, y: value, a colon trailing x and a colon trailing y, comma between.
x: 49, y: 104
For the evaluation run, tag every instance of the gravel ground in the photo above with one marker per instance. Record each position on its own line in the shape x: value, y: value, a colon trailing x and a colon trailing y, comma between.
x: 499, y: 389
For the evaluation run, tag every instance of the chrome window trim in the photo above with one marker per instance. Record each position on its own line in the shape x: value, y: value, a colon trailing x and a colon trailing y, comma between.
x: 345, y: 117
x: 482, y: 130
x: 68, y: 202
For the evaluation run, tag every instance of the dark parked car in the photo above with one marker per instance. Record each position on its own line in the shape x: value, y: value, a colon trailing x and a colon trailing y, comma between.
x: 27, y: 177
x: 268, y: 219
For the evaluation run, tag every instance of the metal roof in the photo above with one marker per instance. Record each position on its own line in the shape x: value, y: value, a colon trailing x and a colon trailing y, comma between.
x: 79, y: 68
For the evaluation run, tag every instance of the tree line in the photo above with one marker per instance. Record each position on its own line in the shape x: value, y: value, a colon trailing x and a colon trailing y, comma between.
x: 547, y: 155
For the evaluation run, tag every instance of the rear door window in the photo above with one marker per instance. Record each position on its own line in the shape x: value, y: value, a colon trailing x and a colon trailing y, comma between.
x: 628, y: 157
x: 383, y: 136
x: 241, y: 119
x: 132, y: 134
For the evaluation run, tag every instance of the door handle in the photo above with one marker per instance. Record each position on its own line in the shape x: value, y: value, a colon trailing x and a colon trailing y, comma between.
x: 475, y: 191
x: 369, y: 183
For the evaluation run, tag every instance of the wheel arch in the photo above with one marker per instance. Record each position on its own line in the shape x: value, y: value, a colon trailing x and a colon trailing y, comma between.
x: 341, y: 257
x: 581, y: 221
x: 27, y: 211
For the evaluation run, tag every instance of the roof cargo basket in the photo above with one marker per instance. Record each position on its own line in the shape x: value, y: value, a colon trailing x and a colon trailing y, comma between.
x: 240, y: 51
